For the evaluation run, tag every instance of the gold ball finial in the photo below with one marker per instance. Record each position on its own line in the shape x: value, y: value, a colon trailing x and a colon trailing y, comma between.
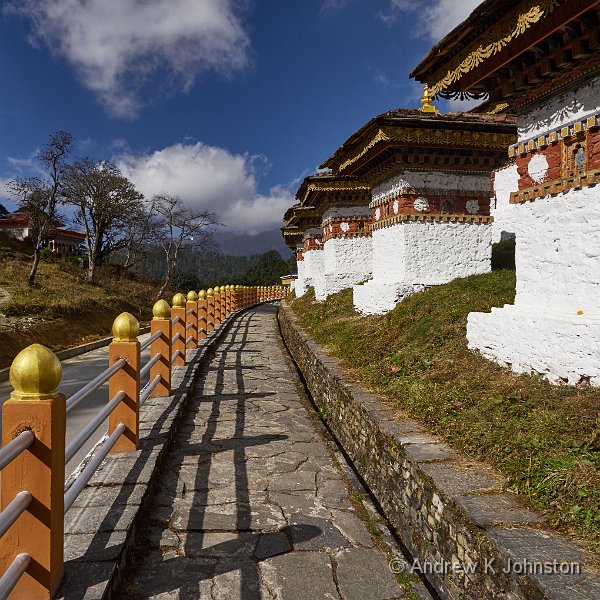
x: 202, y: 295
x: 217, y: 289
x: 192, y: 296
x: 210, y: 292
x: 161, y: 310
x: 179, y: 300
x: 427, y: 103
x: 35, y: 373
x: 125, y: 328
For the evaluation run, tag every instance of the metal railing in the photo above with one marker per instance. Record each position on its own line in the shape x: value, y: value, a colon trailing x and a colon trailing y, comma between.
x: 199, y: 315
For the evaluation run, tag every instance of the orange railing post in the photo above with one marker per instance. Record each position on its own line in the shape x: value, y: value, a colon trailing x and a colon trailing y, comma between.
x: 178, y: 319
x: 191, y: 320
x: 39, y: 470
x: 210, y: 314
x: 161, y: 323
x: 202, y: 305
x: 125, y: 345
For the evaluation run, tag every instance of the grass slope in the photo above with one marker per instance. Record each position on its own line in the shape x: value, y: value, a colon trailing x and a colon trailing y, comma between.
x: 544, y: 439
x: 62, y: 310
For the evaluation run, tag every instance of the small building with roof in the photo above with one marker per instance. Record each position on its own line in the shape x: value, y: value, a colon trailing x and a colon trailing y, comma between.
x: 430, y: 201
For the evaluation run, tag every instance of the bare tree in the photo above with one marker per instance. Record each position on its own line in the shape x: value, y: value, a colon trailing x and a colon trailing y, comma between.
x: 179, y: 227
x: 38, y: 198
x: 107, y: 206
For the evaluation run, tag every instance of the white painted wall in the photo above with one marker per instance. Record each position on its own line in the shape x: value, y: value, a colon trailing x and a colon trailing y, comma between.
x: 347, y: 261
x: 409, y: 181
x: 430, y: 252
x: 565, y: 108
x: 314, y: 264
x: 558, y: 267
x: 347, y: 211
x: 506, y: 181
x: 300, y: 286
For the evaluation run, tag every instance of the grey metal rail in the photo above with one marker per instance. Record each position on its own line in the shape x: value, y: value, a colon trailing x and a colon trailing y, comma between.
x: 190, y: 338
x: 175, y: 338
x: 13, y: 574
x: 84, y: 435
x: 189, y: 312
x: 90, y: 469
x: 93, y: 385
x: 149, y: 364
x: 14, y: 510
x: 189, y: 326
x: 151, y: 339
x: 175, y: 320
x: 9, y: 452
x: 175, y: 355
x: 148, y: 389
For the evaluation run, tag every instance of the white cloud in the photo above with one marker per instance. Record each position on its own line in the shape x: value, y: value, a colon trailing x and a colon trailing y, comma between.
x: 329, y: 5
x: 436, y: 18
x: 117, y: 47
x: 210, y: 178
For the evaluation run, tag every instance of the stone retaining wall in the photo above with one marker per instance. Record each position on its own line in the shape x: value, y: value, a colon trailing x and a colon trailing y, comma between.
x: 451, y: 513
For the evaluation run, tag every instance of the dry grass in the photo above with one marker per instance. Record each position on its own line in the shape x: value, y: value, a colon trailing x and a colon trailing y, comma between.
x: 544, y: 439
x: 62, y: 310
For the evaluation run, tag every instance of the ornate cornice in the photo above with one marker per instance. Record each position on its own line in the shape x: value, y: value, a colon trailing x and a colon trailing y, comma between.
x: 450, y: 138
x: 563, y: 132
x: 450, y: 218
x: 492, y: 42
x: 345, y: 187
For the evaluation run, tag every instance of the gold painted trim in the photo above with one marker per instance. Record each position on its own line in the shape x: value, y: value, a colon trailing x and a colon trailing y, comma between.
x: 564, y: 132
x: 454, y: 218
x: 495, y: 40
x: 439, y: 137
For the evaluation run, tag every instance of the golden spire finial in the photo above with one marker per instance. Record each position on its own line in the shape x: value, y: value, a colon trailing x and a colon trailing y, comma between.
x: 125, y: 328
x: 178, y: 300
x: 427, y: 103
x: 35, y: 373
x: 161, y: 310
x: 192, y: 296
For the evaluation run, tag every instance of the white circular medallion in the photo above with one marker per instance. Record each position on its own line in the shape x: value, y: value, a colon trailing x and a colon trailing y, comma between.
x: 538, y: 168
x: 472, y: 207
x: 421, y: 204
x: 344, y: 227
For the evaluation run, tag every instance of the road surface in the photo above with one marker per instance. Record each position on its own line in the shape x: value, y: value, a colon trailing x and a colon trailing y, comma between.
x: 77, y: 372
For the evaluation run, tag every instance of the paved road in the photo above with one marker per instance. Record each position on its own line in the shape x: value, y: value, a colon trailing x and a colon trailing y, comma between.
x: 253, y: 503
x: 77, y: 372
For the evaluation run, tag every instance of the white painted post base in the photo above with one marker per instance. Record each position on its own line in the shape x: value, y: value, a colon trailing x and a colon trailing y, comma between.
x: 376, y: 298
x: 561, y: 347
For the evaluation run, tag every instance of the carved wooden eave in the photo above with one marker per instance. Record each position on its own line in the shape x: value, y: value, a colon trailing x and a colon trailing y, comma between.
x: 297, y: 220
x: 413, y: 140
x: 322, y: 191
x: 516, y: 52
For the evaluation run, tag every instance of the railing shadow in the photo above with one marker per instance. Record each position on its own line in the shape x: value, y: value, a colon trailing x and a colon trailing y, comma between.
x: 249, y: 547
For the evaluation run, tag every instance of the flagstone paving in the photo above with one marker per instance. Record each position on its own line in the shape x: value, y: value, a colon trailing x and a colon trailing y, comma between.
x: 253, y: 503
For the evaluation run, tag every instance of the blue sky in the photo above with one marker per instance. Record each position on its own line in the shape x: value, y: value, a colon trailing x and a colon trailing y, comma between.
x: 228, y: 103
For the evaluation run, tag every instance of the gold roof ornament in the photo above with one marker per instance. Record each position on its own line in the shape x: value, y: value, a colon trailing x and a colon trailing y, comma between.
x: 426, y: 101
x: 161, y: 310
x: 179, y: 300
x: 125, y: 328
x: 35, y: 373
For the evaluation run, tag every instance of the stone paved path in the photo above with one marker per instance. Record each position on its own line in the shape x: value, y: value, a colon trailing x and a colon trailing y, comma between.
x: 253, y: 504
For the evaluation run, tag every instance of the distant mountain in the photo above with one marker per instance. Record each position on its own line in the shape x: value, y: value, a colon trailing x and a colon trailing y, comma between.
x: 243, y: 244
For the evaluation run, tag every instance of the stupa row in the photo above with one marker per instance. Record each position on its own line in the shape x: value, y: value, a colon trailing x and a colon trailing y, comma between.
x: 416, y: 198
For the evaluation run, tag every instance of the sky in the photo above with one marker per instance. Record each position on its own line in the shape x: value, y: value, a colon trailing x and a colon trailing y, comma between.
x: 227, y: 103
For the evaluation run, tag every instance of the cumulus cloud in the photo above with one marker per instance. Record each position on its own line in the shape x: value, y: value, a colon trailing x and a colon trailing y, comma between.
x: 436, y: 18
x: 210, y: 178
x: 117, y: 47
